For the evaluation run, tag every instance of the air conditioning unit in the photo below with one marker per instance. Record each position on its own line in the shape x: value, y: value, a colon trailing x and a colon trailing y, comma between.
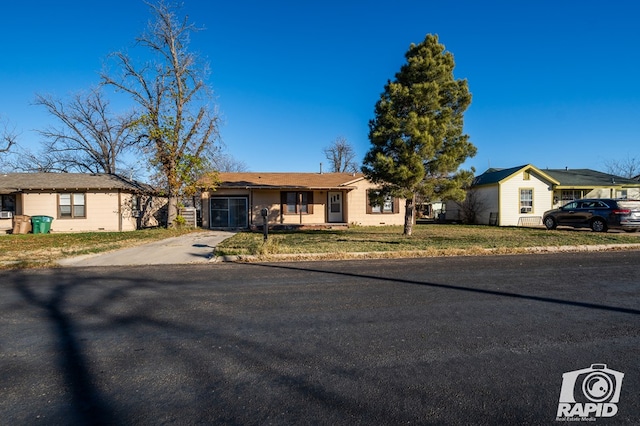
x: 6, y: 215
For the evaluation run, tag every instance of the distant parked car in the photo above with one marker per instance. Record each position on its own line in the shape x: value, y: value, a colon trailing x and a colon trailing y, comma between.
x: 599, y: 214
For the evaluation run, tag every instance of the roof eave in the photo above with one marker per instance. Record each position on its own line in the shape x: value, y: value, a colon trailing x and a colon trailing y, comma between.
x: 288, y: 188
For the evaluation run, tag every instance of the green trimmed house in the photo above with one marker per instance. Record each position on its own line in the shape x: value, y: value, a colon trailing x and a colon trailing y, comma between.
x: 519, y: 196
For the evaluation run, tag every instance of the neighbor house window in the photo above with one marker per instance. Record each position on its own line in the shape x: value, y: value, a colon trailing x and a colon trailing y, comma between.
x: 621, y: 194
x: 526, y: 200
x: 389, y: 205
x: 71, y: 205
x: 8, y: 203
x: 297, y: 202
x: 569, y: 195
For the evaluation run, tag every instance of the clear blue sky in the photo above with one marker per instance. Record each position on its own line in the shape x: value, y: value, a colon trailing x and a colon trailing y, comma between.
x: 554, y: 83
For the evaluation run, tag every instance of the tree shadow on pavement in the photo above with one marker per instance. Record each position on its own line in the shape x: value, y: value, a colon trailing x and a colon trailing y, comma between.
x: 207, y: 350
x: 488, y: 292
x: 88, y: 405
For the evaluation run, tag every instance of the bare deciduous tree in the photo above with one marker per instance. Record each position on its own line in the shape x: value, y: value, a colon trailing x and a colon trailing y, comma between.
x: 341, y: 156
x: 25, y: 160
x: 223, y: 162
x: 8, y: 139
x: 88, y: 139
x: 628, y: 168
x: 178, y: 123
x: 8, y: 136
x: 472, y: 206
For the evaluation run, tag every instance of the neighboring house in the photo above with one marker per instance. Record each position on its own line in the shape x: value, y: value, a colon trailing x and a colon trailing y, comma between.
x: 519, y: 196
x: 79, y: 202
x: 585, y: 183
x: 295, y: 199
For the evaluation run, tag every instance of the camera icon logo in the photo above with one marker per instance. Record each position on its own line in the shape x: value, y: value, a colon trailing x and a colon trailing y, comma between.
x: 590, y: 392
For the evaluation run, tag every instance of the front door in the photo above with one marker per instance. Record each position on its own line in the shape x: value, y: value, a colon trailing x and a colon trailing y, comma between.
x: 335, y: 207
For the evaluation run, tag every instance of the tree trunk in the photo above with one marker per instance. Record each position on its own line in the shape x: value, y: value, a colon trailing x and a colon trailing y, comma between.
x: 408, y: 215
x: 173, y: 189
x: 172, y: 210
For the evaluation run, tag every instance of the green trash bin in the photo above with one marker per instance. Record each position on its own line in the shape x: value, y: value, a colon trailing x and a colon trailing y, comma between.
x: 41, y: 224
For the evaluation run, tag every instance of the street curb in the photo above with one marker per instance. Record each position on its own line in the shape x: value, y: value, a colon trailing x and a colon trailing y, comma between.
x: 420, y: 253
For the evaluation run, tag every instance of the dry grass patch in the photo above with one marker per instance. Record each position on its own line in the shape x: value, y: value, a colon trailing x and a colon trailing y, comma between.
x: 43, y: 250
x: 426, y: 240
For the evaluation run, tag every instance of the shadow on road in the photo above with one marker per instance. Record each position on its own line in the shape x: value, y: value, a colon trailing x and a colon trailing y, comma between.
x: 456, y: 288
x: 219, y: 352
x: 88, y: 405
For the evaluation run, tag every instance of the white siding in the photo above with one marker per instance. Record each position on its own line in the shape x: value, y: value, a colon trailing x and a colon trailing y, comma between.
x: 633, y: 193
x: 601, y: 193
x: 510, y: 214
x: 482, y: 200
x: 487, y: 199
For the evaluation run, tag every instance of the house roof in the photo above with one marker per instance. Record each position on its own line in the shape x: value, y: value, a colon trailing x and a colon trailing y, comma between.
x: 17, y: 182
x: 289, y: 180
x: 570, y: 178
x: 587, y: 178
x: 495, y: 176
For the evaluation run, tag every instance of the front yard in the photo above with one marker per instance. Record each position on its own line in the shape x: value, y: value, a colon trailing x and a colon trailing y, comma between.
x: 429, y: 239
x: 43, y: 250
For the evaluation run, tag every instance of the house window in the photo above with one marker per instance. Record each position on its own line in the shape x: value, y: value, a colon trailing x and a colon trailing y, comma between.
x: 8, y: 203
x: 71, y: 205
x: 621, y: 194
x: 297, y: 202
x: 390, y: 205
x: 526, y: 200
x: 386, y: 207
x: 569, y: 195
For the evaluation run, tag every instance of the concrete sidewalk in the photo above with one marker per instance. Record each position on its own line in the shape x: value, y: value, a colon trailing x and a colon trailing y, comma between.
x: 197, y: 247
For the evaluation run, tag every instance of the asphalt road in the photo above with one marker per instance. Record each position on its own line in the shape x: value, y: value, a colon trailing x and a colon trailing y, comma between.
x: 468, y: 340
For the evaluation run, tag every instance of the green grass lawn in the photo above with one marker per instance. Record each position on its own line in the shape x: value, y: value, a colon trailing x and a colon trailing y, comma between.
x: 434, y: 238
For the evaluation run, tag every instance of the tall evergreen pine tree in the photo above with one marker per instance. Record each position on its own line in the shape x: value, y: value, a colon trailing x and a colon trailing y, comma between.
x: 417, y: 134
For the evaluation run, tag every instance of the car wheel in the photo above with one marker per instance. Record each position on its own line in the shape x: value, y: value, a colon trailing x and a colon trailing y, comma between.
x: 598, y: 225
x: 550, y: 222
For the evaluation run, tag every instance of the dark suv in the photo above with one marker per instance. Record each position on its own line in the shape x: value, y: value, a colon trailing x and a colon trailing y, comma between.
x: 599, y: 214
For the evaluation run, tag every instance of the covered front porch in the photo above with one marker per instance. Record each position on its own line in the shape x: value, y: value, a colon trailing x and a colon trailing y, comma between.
x: 290, y: 209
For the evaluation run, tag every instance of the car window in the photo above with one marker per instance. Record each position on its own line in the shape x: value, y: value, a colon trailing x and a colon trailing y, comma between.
x: 587, y: 204
x: 601, y: 205
x: 571, y: 206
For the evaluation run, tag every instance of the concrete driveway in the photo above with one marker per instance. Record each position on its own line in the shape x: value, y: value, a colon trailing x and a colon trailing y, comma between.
x: 197, y: 247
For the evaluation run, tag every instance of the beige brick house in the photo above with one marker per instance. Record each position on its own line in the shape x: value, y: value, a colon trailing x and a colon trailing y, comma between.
x: 295, y: 199
x: 79, y: 202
